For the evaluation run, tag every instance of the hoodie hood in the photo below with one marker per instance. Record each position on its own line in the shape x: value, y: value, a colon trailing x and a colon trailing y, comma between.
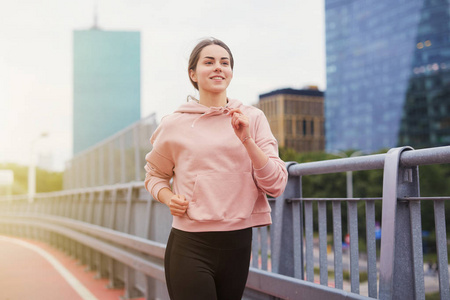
x: 193, y: 107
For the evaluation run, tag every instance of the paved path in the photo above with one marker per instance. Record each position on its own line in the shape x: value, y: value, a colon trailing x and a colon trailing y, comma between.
x: 34, y: 270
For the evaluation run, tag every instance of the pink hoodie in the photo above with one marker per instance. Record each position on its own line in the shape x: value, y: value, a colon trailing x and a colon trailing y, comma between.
x: 210, y: 166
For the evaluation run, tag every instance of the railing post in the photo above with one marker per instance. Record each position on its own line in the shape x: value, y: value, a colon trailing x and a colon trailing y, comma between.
x: 99, y: 220
x: 85, y: 170
x: 93, y: 168
x: 337, y: 244
x: 149, y: 281
x: 111, y: 163
x: 101, y: 165
x: 129, y: 274
x: 371, y: 249
x: 89, y: 218
x: 77, y: 172
x: 137, y: 153
x: 398, y: 254
x: 441, y: 247
x: 297, y: 227
x: 112, y: 264
x: 352, y: 217
x: 282, y: 229
x: 123, y: 166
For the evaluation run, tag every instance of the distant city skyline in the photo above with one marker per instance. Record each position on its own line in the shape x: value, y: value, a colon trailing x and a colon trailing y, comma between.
x: 275, y: 46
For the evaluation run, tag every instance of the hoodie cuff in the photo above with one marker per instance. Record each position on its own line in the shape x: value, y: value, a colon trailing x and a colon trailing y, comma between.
x: 156, y: 188
x: 267, y: 170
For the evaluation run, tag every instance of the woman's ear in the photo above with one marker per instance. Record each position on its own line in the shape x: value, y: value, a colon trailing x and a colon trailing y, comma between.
x: 193, y: 75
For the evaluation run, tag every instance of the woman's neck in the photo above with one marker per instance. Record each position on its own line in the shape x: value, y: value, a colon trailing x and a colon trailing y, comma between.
x: 215, y: 100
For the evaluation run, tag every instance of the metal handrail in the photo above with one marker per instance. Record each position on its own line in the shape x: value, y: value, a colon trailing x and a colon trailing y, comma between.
x: 429, y: 156
x: 146, y: 246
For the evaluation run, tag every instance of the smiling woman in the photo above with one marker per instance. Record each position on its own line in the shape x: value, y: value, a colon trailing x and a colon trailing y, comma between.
x: 212, y: 74
x: 223, y: 159
x: 195, y: 56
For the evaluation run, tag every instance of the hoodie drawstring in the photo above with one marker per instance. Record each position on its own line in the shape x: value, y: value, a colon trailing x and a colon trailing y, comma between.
x: 212, y: 111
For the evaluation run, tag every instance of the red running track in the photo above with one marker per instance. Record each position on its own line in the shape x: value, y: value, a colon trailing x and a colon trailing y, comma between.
x: 34, y: 270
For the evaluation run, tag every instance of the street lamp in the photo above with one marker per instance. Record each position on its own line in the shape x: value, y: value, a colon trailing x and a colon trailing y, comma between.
x: 349, y: 173
x: 32, y: 169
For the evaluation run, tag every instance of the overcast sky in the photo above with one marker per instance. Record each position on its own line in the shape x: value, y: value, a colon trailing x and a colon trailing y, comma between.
x: 275, y: 44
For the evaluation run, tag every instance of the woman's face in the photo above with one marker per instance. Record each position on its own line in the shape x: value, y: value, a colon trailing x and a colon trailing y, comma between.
x: 213, y: 72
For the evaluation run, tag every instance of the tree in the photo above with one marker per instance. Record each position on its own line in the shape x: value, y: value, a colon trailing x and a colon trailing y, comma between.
x: 46, y: 181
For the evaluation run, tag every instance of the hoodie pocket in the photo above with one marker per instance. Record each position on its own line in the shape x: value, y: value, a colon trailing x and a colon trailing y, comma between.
x: 223, y: 196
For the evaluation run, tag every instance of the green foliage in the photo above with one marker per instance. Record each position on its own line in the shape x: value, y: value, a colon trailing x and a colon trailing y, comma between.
x: 434, y: 180
x: 433, y: 183
x: 363, y: 277
x: 46, y: 181
x: 433, y: 296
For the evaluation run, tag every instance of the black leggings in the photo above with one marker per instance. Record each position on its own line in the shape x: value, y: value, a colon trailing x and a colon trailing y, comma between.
x: 207, y: 265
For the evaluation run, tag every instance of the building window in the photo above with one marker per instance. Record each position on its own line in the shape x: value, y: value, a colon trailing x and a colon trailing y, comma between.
x: 288, y: 126
x: 304, y: 127
x: 298, y: 127
x: 312, y: 127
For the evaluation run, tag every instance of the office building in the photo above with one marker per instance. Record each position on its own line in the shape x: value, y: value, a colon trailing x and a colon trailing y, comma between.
x: 296, y: 117
x: 106, y: 84
x: 386, y: 74
x: 426, y: 114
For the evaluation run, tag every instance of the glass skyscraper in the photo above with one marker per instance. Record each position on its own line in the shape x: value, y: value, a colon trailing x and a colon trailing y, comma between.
x: 426, y: 115
x: 106, y: 84
x: 387, y: 82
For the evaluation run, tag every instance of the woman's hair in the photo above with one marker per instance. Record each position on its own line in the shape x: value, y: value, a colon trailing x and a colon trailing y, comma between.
x: 195, y: 55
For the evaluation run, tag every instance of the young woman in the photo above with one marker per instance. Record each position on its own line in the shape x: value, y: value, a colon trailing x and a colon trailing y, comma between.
x: 223, y: 160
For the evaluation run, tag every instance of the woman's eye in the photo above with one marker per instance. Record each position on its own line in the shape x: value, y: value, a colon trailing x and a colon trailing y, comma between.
x: 208, y: 63
x: 225, y: 63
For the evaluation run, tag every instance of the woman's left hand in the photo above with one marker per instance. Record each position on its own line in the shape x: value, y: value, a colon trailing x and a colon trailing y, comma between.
x: 240, y: 123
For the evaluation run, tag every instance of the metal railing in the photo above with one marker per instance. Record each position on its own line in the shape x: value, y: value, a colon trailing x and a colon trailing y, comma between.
x: 120, y: 231
x: 400, y: 270
x: 118, y: 159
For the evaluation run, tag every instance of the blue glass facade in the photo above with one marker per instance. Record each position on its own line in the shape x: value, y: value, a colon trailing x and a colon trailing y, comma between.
x: 426, y: 114
x: 371, y: 50
x: 106, y: 84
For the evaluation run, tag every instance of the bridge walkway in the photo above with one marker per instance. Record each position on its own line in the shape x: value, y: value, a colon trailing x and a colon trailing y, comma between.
x: 30, y: 269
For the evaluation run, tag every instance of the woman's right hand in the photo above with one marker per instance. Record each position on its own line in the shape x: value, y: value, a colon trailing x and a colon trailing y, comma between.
x: 178, y: 205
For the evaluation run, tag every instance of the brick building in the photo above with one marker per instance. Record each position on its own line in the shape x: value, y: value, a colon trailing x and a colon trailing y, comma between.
x: 296, y: 117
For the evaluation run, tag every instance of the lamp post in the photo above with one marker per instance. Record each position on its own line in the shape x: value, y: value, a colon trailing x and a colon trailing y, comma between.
x: 349, y: 173
x: 32, y: 169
